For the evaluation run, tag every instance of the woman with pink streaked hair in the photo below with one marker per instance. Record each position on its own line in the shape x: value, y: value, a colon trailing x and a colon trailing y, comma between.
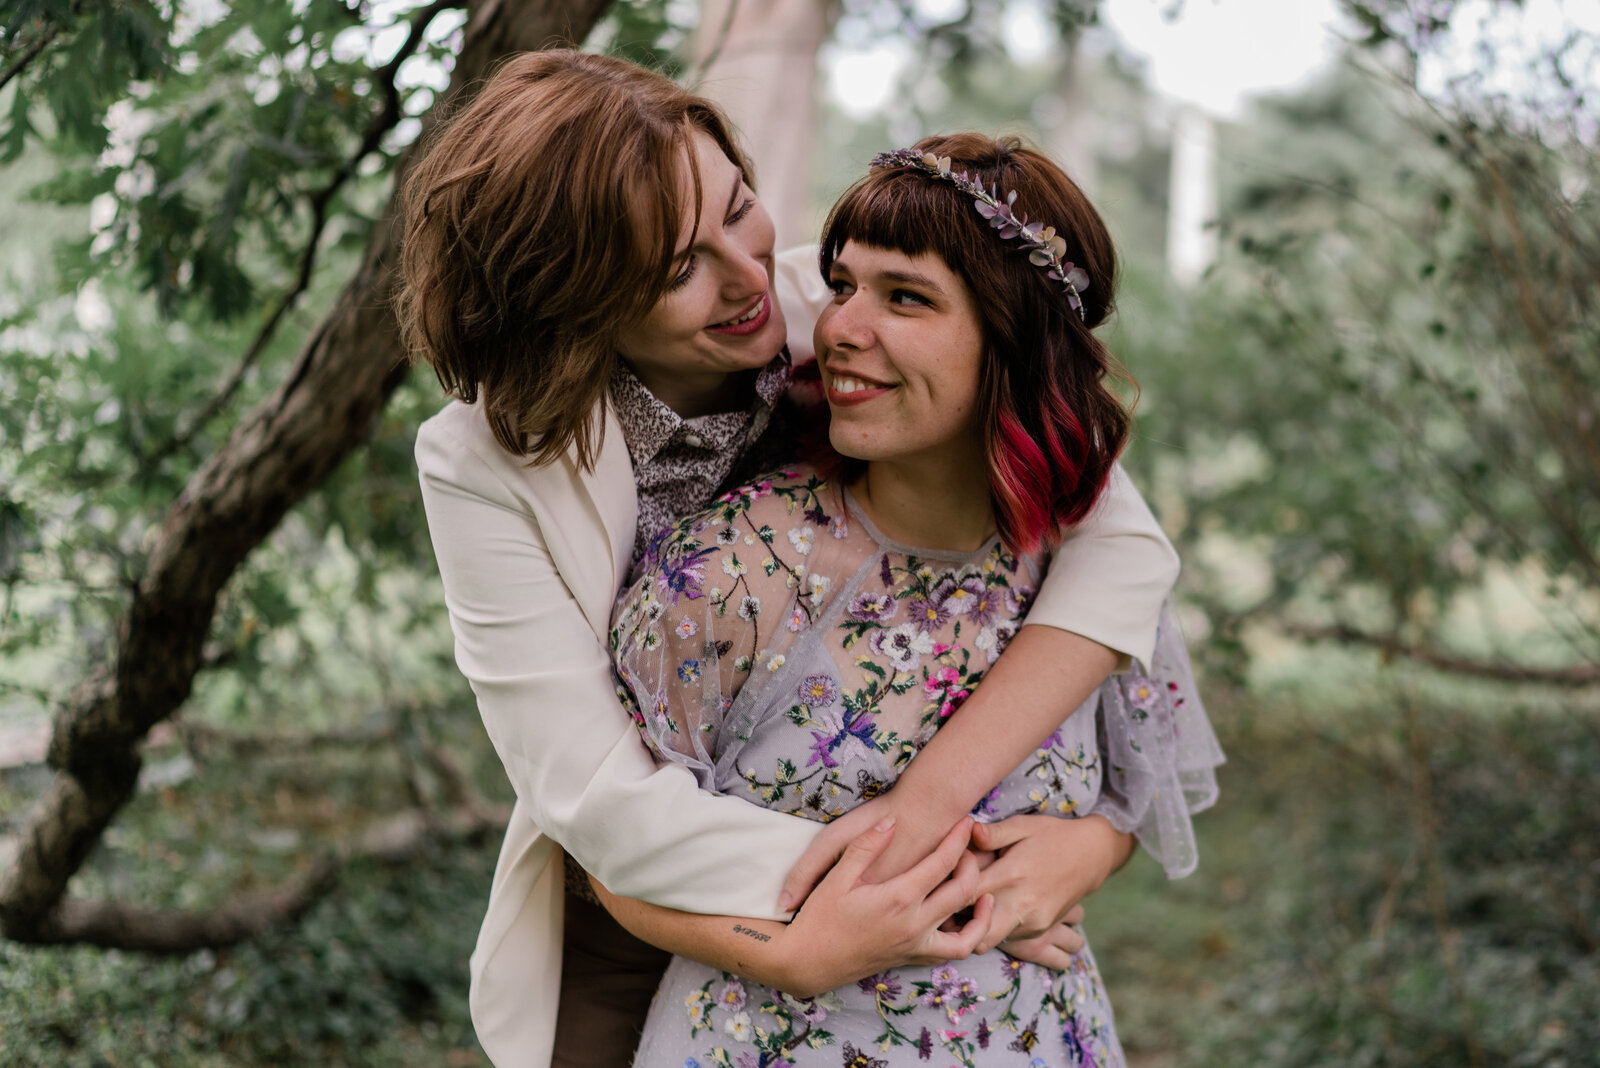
x: 800, y: 641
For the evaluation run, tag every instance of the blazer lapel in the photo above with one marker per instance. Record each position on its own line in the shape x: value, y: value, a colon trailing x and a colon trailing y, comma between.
x: 587, y: 519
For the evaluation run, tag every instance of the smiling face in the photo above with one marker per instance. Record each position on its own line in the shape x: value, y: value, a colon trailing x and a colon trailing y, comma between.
x: 718, y: 315
x: 901, y: 352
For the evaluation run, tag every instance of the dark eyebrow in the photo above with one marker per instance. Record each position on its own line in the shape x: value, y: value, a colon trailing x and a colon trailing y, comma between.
x: 910, y: 278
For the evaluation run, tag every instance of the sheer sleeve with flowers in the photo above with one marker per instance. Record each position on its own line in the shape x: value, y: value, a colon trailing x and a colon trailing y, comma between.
x: 1160, y: 752
x: 713, y: 609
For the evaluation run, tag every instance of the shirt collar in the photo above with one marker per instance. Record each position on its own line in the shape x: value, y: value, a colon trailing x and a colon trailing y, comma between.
x: 648, y: 425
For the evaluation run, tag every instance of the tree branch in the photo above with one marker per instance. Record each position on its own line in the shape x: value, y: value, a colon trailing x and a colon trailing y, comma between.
x: 387, y: 118
x: 113, y: 925
x: 326, y: 408
x: 1443, y: 661
x: 33, y: 51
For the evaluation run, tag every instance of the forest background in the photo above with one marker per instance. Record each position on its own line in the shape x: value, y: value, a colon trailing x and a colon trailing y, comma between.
x: 249, y: 815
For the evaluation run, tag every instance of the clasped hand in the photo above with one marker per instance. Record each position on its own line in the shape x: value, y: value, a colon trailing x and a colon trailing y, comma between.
x: 1028, y: 874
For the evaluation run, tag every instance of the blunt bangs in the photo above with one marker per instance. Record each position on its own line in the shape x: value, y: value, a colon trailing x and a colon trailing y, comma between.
x: 904, y: 211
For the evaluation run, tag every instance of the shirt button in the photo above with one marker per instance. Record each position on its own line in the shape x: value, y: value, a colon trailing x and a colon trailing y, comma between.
x: 694, y: 441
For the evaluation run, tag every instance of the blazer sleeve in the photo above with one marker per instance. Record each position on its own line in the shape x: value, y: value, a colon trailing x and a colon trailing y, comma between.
x: 1111, y: 574
x: 548, y: 700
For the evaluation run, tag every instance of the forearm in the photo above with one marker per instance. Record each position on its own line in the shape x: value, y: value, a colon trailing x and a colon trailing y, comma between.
x: 1036, y: 684
x: 849, y: 927
x: 756, y: 949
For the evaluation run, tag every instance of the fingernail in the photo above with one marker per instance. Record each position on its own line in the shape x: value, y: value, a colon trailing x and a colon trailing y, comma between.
x: 785, y: 901
x: 884, y: 824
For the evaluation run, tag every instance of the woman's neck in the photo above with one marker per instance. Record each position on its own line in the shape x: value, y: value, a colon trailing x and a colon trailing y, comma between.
x: 932, y: 505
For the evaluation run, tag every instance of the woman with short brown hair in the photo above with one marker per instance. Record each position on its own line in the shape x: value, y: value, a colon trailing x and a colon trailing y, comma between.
x: 589, y: 272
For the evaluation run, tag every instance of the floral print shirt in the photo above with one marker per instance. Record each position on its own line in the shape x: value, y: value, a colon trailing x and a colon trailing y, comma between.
x: 679, y: 464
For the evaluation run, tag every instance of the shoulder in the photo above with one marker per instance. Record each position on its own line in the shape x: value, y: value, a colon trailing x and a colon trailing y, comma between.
x: 456, y: 443
x: 752, y: 549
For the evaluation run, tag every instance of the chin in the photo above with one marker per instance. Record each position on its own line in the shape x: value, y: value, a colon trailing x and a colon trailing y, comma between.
x: 850, y: 447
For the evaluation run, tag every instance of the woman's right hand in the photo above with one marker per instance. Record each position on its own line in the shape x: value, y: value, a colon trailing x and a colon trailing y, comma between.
x: 849, y: 928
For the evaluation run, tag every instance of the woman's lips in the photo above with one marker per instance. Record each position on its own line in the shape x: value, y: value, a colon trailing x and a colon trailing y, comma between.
x: 748, y: 321
x: 855, y: 390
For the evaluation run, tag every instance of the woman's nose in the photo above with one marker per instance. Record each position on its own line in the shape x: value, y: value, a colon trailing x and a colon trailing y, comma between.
x: 746, y: 276
x: 844, y: 325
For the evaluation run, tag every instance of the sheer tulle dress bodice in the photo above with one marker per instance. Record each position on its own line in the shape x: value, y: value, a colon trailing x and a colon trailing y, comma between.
x: 785, y: 651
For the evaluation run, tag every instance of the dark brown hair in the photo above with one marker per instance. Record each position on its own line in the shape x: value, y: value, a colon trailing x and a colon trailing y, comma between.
x: 541, y: 221
x: 1052, y: 429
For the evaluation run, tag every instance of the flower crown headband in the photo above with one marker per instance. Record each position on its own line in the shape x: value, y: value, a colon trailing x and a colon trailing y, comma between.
x: 1045, y: 248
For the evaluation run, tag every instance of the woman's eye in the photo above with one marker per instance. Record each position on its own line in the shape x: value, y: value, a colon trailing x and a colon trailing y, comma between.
x: 683, y: 276
x: 744, y: 209
x: 840, y: 287
x: 910, y: 299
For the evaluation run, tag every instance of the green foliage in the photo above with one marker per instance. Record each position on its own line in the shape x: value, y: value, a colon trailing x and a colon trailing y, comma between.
x: 1360, y: 905
x: 1389, y: 382
x: 373, y: 975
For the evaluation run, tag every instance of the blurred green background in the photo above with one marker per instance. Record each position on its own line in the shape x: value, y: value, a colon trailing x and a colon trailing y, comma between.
x: 1360, y: 310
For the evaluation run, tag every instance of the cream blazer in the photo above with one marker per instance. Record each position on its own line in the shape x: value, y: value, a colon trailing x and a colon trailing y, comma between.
x: 531, y: 559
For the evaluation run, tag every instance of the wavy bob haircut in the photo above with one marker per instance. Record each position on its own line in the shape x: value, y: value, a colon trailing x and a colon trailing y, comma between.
x: 1052, y: 429
x: 540, y: 221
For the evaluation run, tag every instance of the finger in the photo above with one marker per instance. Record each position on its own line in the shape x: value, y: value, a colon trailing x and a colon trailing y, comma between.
x: 1074, y: 915
x: 959, y: 944
x: 955, y: 893
x: 863, y: 849
x: 823, y: 852
x: 1067, y: 939
x: 1041, y: 951
x: 997, y: 836
x: 1002, y: 925
x: 932, y: 870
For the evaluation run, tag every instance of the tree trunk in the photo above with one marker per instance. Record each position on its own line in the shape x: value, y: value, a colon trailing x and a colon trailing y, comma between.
x: 758, y: 60
x: 325, y: 409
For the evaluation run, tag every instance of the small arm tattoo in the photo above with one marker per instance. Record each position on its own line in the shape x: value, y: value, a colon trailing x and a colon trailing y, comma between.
x: 757, y: 935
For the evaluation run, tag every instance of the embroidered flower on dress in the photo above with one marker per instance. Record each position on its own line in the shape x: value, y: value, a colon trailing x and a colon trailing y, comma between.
x: 957, y: 597
x: 872, y: 607
x: 749, y: 608
x: 818, y: 690
x: 683, y: 576
x: 731, y: 996
x: 928, y: 615
x: 689, y: 671
x: 902, y: 645
x: 1142, y: 692
x: 885, y: 986
x: 739, y: 1027
x: 844, y: 736
x: 797, y: 621
x: 1019, y: 599
x: 945, y: 687
x: 732, y: 565
x: 802, y: 538
x: 687, y: 628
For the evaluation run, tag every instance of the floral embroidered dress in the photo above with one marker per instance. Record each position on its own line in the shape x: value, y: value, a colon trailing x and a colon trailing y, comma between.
x: 785, y: 651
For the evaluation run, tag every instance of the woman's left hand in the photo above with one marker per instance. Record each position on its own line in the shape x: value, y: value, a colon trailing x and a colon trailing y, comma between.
x: 1043, y: 868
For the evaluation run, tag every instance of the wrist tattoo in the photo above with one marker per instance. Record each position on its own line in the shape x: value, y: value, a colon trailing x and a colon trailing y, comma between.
x: 757, y: 935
